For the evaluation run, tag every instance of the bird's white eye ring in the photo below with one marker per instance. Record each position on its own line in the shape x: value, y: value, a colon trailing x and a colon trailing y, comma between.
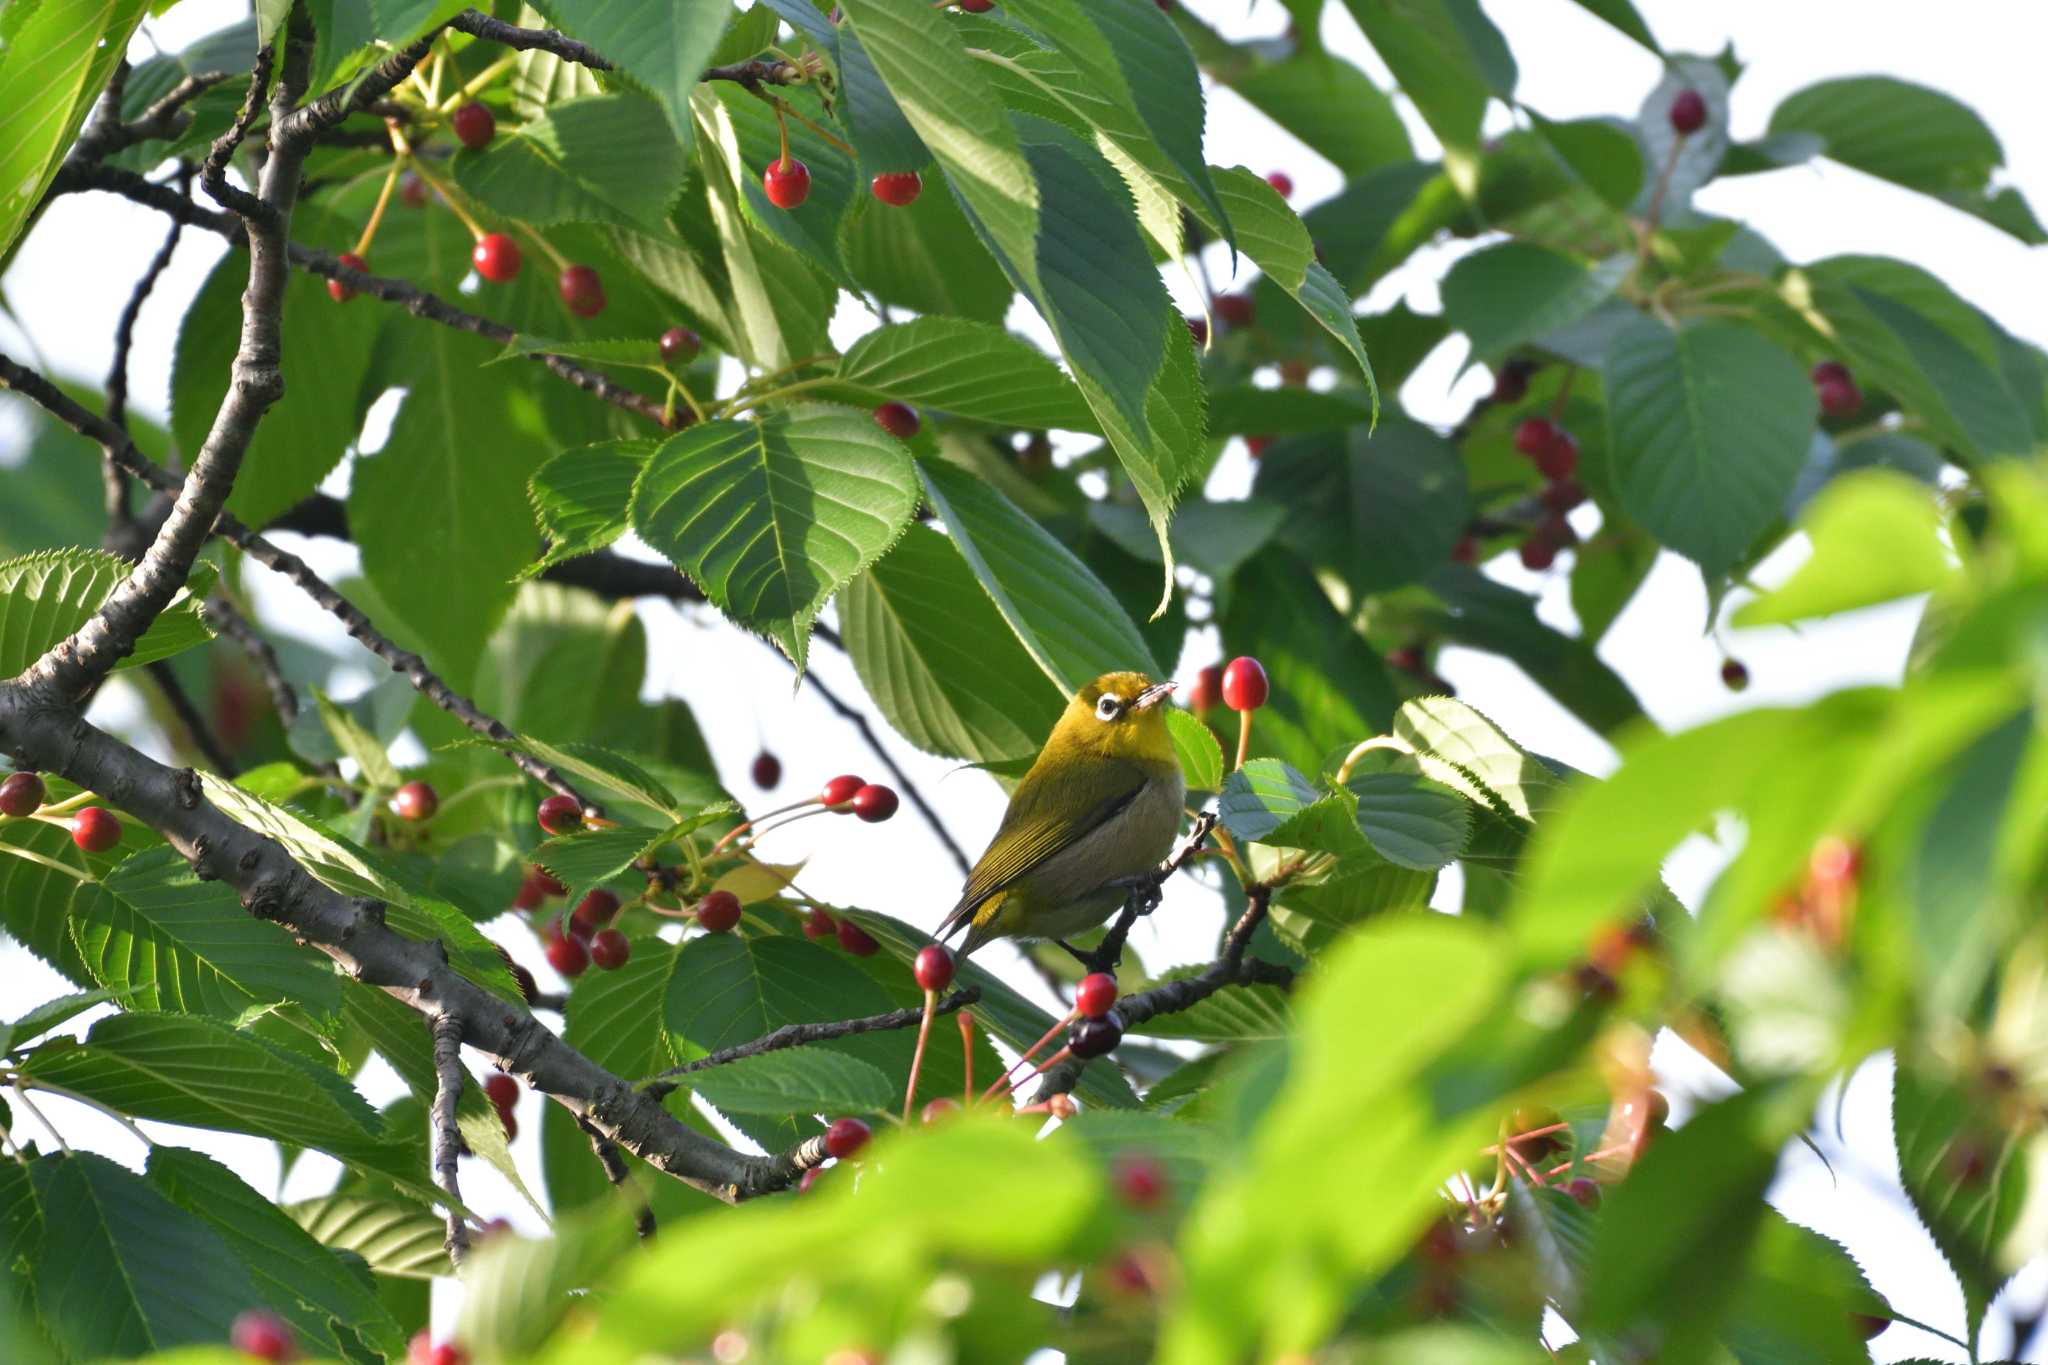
x: 1108, y: 707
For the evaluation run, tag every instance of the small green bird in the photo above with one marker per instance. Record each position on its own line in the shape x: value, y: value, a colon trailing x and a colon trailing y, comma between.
x: 1100, y: 805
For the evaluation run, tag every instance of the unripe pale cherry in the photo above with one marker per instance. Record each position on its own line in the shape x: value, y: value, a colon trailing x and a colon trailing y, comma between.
x: 940, y: 1108
x: 846, y: 1136
x: 874, y: 803
x: 95, y: 830
x: 934, y: 967
x: 338, y: 291
x: 21, y: 794
x: 786, y: 182
x: 897, y: 188
x: 719, y: 911
x: 560, y: 815
x: 1244, y: 684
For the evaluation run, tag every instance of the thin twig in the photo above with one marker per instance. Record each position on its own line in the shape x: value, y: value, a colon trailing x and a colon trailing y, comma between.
x: 614, y: 1164
x: 448, y: 1080
x: 1144, y: 899
x: 479, y: 25
x: 424, y: 680
x: 119, y: 519
x: 180, y: 701
x: 227, y: 619
x: 796, y: 1035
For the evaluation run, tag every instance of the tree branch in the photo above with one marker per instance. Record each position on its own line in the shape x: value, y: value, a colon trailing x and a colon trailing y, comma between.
x: 163, y: 120
x: 180, y: 701
x: 479, y: 25
x: 448, y: 1079
x: 227, y: 619
x: 424, y: 680
x: 796, y: 1035
x: 1144, y: 898
x: 607, y: 1153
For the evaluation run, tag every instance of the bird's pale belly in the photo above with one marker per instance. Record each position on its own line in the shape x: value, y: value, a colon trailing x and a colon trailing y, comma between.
x: 1067, y: 894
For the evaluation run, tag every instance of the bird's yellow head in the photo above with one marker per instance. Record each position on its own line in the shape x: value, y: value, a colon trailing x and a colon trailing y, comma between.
x: 1119, y: 715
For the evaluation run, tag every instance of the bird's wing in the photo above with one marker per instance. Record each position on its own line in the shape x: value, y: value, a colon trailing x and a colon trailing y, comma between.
x: 1034, y: 829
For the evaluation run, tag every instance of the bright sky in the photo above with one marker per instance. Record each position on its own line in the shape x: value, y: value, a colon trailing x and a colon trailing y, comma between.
x: 74, y: 273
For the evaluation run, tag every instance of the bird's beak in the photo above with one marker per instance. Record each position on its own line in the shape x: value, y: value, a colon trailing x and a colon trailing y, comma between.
x: 1153, y: 695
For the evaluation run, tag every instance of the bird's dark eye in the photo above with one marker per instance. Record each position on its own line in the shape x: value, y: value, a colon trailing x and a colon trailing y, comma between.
x: 1109, y: 707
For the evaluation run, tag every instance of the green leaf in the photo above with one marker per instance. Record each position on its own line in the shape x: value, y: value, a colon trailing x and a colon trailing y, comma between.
x: 1517, y: 292
x: 1492, y: 616
x: 927, y: 259
x: 1876, y: 536
x: 1381, y: 510
x: 53, y: 1013
x: 663, y: 47
x: 1264, y: 800
x: 966, y: 368
x: 131, y: 1272
x: 326, y: 358
x: 164, y: 940
x: 1067, y: 620
x: 394, y: 1237
x: 1798, y: 1299
x: 1412, y: 821
x: 1895, y: 130
x: 1496, y: 770
x: 772, y: 516
x: 56, y: 59
x: 372, y: 759
x: 334, y: 862
x: 880, y: 134
x: 1194, y: 744
x: 795, y: 1081
x: 1332, y: 106
x: 937, y: 657
x: 1245, y: 410
x: 1448, y: 58
x: 1966, y: 1175
x: 600, y: 159
x: 37, y: 900
x: 1708, y: 428
x: 1280, y: 245
x: 300, y: 1278
x: 47, y: 595
x: 593, y: 857
x: 1622, y: 14
x: 606, y: 773
x: 1694, y: 159
x: 1602, y: 153
x: 745, y: 129
x: 448, y: 487
x: 1329, y: 686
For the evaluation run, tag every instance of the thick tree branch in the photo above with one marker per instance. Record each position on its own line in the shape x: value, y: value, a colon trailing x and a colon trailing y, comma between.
x: 448, y: 1080
x: 796, y: 1035
x: 614, y: 1166
x: 424, y: 680
x: 354, y: 934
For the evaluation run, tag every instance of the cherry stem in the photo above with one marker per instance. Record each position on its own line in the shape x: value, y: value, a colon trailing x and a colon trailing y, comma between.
x: 478, y: 83
x: 737, y: 830
x: 924, y: 1029
x: 1244, y: 736
x: 782, y: 124
x: 440, y: 188
x: 966, y: 1059
x: 1564, y: 393
x: 377, y: 213
x: 1619, y: 1149
x: 1521, y: 1165
x: 1524, y: 1137
x: 761, y: 829
x: 556, y: 258
x: 782, y: 107
x: 1024, y: 1057
x: 740, y: 401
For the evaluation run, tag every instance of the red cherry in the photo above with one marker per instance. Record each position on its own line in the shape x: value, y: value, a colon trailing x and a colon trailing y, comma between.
x: 1538, y: 552
x: 1734, y: 675
x: 1558, y: 459
x: 1244, y: 684
x: 1838, y: 397
x: 545, y: 882
x: 1968, y: 1162
x: 496, y: 258
x: 1127, y: 1274
x: 1198, y: 328
x: 1533, y: 435
x: 528, y: 896
x: 1825, y: 370
x: 1511, y: 381
x: 1406, y: 658
x: 855, y: 939
x: 680, y: 344
x: 412, y: 190
x: 934, y: 967
x: 898, y: 419
x: 1835, y: 863
x: 610, y: 949
x: 415, y: 801
x: 582, y: 291
x: 510, y: 1120
x: 338, y: 291
x: 447, y: 1353
x: 767, y: 770
x: 1587, y: 1192
x: 818, y: 924
x: 1281, y: 181
x: 263, y: 1334
x: 560, y: 815
x: 874, y: 803
x: 1466, y: 551
x: 1563, y: 496
x: 1257, y: 445
x: 977, y: 6
x: 95, y: 830
x: 940, y: 1108
x: 474, y: 125
x: 1095, y: 1037
x: 21, y: 794
x: 501, y: 1090
x: 593, y: 912
x: 719, y: 911
x: 1140, y: 1181
x: 846, y: 1136
x: 1868, y: 1325
x: 1208, y: 689
x: 839, y: 791
x: 787, y: 182
x: 897, y: 188
x: 1688, y: 112
x: 1095, y: 995
x: 1235, y: 309
x: 566, y: 954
